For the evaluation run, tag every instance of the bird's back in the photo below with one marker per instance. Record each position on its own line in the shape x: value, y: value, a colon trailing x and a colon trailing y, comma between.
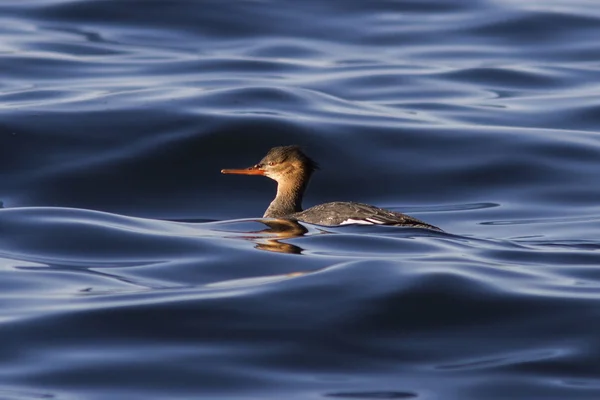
x: 343, y: 213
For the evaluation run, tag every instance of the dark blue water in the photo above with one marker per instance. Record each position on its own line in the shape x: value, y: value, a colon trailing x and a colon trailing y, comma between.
x: 130, y: 268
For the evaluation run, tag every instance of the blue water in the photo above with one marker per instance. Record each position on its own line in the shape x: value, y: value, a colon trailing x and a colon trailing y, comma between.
x: 130, y: 268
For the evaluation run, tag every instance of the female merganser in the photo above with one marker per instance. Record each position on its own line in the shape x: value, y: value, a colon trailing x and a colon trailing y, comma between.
x: 292, y: 169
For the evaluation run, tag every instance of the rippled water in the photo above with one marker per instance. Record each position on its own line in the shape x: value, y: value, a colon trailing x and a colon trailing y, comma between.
x: 130, y: 268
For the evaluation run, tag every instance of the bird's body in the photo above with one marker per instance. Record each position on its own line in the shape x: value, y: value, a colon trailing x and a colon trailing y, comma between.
x: 292, y: 170
x: 347, y: 212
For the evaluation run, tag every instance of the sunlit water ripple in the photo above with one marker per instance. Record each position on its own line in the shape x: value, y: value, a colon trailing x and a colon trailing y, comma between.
x: 132, y: 269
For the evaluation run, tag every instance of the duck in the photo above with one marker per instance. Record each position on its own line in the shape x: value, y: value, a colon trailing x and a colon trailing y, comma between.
x: 292, y: 169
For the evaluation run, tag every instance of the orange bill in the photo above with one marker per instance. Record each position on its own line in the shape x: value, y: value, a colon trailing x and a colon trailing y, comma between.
x: 245, y: 171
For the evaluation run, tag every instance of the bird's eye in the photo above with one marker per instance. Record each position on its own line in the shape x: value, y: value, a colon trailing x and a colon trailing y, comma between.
x: 271, y: 163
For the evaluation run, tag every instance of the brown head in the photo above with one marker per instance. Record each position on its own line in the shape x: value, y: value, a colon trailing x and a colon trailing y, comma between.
x: 292, y: 169
x: 282, y: 164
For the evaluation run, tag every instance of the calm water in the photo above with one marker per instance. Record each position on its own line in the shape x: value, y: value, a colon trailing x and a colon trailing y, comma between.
x: 130, y: 268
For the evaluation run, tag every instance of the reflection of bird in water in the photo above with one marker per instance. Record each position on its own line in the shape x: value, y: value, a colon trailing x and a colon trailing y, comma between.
x: 292, y: 169
x: 280, y: 229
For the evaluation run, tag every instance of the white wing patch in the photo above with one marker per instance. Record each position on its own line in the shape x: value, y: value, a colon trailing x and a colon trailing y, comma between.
x: 359, y: 221
x: 375, y: 221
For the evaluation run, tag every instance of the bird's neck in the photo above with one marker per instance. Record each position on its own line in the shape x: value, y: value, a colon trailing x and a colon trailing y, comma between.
x: 289, y: 197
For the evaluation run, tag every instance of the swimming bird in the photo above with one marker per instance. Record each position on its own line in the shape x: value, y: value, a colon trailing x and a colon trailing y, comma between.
x: 292, y: 170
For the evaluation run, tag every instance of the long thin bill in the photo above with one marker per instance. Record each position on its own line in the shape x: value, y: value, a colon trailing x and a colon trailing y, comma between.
x: 245, y: 171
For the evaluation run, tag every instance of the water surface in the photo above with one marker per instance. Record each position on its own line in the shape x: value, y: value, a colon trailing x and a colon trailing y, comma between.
x: 132, y: 269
